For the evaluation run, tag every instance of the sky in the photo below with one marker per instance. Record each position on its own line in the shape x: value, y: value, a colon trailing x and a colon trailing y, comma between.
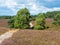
x: 10, y: 7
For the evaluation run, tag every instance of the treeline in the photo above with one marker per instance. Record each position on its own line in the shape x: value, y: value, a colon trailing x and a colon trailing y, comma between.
x: 23, y: 17
x: 51, y: 14
x: 6, y: 17
x: 55, y: 15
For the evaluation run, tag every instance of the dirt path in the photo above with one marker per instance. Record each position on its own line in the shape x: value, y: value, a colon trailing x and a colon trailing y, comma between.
x: 7, y: 35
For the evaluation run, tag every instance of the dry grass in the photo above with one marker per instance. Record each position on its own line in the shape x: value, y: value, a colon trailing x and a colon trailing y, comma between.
x: 48, y: 22
x: 3, y: 26
x: 3, y: 30
x: 34, y: 37
x: 3, y: 22
x: 49, y: 36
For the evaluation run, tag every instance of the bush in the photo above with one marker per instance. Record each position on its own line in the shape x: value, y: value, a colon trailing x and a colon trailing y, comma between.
x: 39, y: 27
x: 56, y: 19
x: 11, y: 23
x: 40, y: 22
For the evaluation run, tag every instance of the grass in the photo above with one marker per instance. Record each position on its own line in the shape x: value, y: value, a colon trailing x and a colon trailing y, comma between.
x: 50, y: 36
x: 3, y: 30
x: 34, y: 37
x: 3, y: 22
x: 3, y: 26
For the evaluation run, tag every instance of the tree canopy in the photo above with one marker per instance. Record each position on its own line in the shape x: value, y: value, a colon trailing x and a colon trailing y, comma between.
x: 22, y: 18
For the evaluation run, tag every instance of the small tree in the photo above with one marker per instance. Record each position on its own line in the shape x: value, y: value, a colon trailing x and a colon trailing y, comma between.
x: 40, y: 23
x: 22, y: 19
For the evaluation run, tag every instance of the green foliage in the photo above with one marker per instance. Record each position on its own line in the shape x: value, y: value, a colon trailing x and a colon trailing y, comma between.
x: 57, y: 19
x: 38, y: 27
x: 40, y: 22
x: 55, y: 15
x: 6, y: 17
x: 22, y: 19
x: 11, y: 23
x: 51, y: 14
x: 33, y: 17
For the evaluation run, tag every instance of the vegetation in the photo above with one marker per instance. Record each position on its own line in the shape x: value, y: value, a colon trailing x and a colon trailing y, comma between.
x: 57, y: 19
x: 54, y: 15
x: 22, y: 18
x: 33, y: 17
x: 33, y: 37
x: 3, y: 30
x: 3, y: 26
x: 28, y: 36
x: 6, y: 17
x: 11, y: 23
x: 40, y: 22
x: 51, y: 14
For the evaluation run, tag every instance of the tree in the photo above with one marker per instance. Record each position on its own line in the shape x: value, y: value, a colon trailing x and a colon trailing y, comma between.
x: 57, y: 19
x: 40, y: 22
x: 22, y: 19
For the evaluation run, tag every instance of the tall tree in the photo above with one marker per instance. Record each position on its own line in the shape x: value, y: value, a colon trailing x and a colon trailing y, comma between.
x: 22, y: 19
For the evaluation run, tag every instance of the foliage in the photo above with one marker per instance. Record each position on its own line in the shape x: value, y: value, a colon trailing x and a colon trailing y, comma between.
x: 11, y: 23
x: 51, y: 14
x: 21, y: 20
x: 6, y: 17
x: 40, y: 22
x: 33, y: 17
x: 55, y: 15
x: 57, y: 19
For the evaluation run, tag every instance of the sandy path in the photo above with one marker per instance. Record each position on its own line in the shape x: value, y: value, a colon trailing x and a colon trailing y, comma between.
x: 7, y: 35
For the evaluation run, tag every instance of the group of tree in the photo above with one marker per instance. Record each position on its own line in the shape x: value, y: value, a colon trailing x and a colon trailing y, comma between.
x: 51, y: 14
x: 57, y: 19
x: 55, y: 15
x: 22, y: 18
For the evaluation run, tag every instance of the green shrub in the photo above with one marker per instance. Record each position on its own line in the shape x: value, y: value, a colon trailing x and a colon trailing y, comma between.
x: 40, y: 22
x: 11, y: 23
x: 38, y: 27
x: 56, y: 19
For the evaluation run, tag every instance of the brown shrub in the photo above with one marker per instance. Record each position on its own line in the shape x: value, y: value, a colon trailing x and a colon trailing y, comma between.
x: 3, y: 25
x: 3, y: 30
x: 34, y: 37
